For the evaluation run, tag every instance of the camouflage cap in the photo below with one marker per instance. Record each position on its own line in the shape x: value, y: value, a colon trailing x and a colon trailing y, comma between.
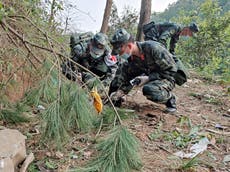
x: 99, y: 43
x: 193, y: 27
x: 120, y: 37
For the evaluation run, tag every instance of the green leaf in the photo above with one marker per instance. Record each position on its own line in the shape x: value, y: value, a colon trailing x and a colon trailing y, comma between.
x: 50, y: 165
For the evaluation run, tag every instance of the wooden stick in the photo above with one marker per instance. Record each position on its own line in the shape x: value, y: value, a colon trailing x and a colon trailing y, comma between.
x: 218, y: 132
x: 27, y: 162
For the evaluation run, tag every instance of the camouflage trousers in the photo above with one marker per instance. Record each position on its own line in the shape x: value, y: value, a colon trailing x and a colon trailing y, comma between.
x: 158, y: 90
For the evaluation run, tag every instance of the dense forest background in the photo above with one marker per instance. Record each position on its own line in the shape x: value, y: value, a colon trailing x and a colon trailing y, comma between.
x: 208, y: 51
x: 188, y: 7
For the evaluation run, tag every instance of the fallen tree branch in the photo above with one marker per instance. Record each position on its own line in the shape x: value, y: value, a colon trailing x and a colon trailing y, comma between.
x: 14, y: 42
x: 218, y: 132
x: 27, y: 162
x: 40, y: 30
x: 25, y: 41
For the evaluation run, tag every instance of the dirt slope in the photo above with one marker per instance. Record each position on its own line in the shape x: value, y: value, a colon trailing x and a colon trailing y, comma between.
x: 201, y: 107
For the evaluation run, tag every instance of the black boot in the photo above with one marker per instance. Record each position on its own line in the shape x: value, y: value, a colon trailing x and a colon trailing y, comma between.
x: 171, y: 105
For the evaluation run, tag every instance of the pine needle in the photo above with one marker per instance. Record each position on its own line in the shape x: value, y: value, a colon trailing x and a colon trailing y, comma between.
x: 190, y: 164
x: 13, y: 113
x: 117, y: 153
x: 108, y: 116
x: 80, y: 112
x: 54, y: 126
x: 67, y: 106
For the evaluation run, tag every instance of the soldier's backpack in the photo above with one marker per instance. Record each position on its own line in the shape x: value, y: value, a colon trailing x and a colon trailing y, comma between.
x: 77, y: 38
x: 148, y: 26
x: 68, y: 68
x: 182, y: 73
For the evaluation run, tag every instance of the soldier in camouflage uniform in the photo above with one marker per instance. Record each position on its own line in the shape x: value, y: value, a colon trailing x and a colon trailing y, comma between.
x: 161, y: 32
x: 148, y: 64
x: 95, y: 55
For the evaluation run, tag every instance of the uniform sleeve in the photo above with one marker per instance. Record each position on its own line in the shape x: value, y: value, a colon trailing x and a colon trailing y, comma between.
x: 167, y: 34
x: 172, y: 44
x: 121, y: 79
x: 166, y: 66
x: 79, y: 55
x: 78, y: 51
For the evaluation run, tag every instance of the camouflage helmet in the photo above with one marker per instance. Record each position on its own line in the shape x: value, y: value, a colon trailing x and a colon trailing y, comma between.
x: 120, y: 37
x: 98, y: 45
x: 193, y: 27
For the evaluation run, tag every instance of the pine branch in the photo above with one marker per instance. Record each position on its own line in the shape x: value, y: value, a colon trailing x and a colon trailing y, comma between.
x: 76, y: 105
x: 14, y: 42
x: 3, y: 23
x: 117, y: 153
x: 13, y: 113
x: 24, y: 41
x: 54, y: 126
x: 67, y: 106
x: 39, y: 29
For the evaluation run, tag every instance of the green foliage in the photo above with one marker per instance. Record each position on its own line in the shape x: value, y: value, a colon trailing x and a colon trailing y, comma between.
x: 117, y: 153
x: 128, y: 20
x: 2, y: 11
x: 212, y: 99
x: 184, y: 120
x: 32, y: 168
x: 54, y: 124
x: 189, y: 164
x: 51, y: 165
x: 67, y: 106
x: 13, y: 113
x: 81, y: 113
x: 189, y: 7
x: 208, y: 50
x: 109, y: 115
x: 179, y: 137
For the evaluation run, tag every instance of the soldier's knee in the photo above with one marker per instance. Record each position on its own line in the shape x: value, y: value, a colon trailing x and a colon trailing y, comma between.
x: 149, y: 89
x: 150, y: 92
x: 153, y: 93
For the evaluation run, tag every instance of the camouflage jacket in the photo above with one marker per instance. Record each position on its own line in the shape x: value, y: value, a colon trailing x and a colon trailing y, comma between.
x: 81, y: 55
x: 162, y: 32
x: 157, y: 62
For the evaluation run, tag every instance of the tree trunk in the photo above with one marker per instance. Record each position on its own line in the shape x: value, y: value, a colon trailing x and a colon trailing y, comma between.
x: 52, y: 12
x: 144, y: 17
x: 107, y: 12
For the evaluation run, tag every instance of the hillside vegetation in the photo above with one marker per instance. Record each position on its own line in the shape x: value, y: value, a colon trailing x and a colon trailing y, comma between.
x: 209, y: 50
x: 63, y: 129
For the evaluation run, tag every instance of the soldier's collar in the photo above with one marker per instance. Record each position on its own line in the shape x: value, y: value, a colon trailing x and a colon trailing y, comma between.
x: 142, y: 57
x: 139, y: 46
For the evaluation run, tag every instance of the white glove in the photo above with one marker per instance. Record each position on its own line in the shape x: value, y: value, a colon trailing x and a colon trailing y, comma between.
x: 139, y: 80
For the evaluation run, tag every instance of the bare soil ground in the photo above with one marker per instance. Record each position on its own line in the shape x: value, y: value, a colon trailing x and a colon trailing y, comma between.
x: 202, y: 108
x: 205, y: 105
